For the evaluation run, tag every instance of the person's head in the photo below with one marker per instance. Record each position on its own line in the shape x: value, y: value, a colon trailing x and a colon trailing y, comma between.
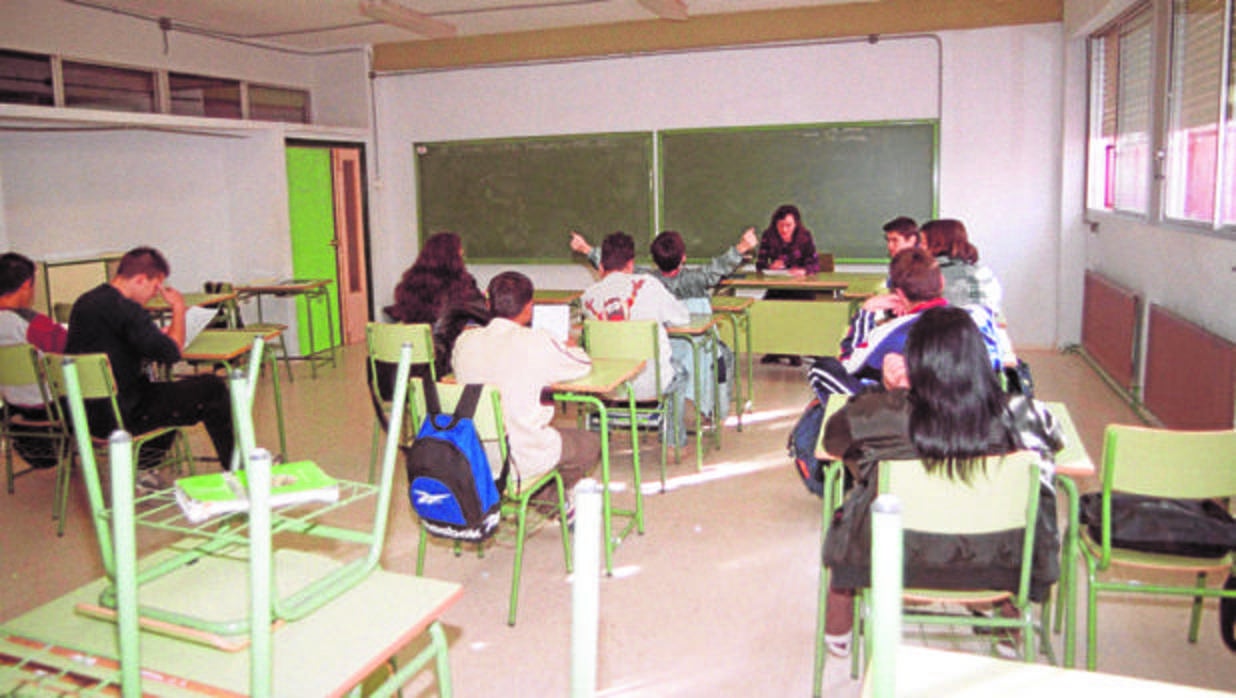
x: 442, y: 253
x: 787, y: 221
x: 617, y: 252
x: 141, y: 273
x: 955, y: 399
x: 947, y: 236
x: 900, y: 233
x: 916, y: 275
x: 668, y: 250
x: 17, y: 279
x: 510, y: 297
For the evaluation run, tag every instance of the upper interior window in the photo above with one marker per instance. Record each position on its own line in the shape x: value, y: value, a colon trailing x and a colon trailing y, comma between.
x: 195, y: 95
x: 107, y: 87
x: 26, y: 78
x: 278, y: 104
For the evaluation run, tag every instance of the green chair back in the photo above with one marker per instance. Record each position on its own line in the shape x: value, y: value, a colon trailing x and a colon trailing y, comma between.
x: 1169, y: 463
x: 624, y: 339
x: 998, y: 499
x: 20, y: 366
x: 384, y: 342
x: 94, y: 379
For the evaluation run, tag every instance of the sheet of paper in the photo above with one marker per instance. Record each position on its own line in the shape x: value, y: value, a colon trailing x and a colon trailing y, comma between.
x: 196, y: 320
x: 555, y: 319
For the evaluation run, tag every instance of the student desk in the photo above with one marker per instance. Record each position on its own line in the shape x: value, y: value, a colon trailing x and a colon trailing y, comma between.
x: 737, y: 311
x: 225, y: 346
x: 923, y: 672
x: 313, y: 290
x: 802, y: 327
x: 543, y: 296
x: 324, y: 654
x: 1073, y: 461
x: 606, y: 376
x: 701, y: 333
x: 159, y: 305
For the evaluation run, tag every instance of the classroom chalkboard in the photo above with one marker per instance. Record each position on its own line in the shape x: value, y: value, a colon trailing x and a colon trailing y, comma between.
x: 515, y: 200
x: 846, y: 179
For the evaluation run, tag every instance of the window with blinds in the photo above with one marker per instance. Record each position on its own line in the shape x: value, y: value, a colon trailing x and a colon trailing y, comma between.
x: 1183, y: 171
x: 1191, y: 162
x: 1121, y: 140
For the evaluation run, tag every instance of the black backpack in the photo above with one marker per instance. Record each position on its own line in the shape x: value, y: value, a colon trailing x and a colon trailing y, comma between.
x: 450, y: 484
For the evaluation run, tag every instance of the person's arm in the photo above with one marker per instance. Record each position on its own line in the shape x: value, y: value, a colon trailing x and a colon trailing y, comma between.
x: 809, y: 259
x: 565, y: 362
x: 46, y: 334
x: 175, y: 330
x: 765, y: 257
x: 580, y: 244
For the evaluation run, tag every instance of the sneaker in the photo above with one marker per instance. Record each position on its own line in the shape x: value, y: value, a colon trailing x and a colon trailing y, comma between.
x: 150, y: 481
x: 838, y: 645
x: 1008, y: 649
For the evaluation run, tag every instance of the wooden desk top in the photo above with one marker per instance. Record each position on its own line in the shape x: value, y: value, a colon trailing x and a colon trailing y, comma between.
x: 219, y: 345
x: 699, y: 324
x: 555, y: 296
x: 159, y: 305
x: 731, y: 304
x: 285, y: 287
x: 606, y: 376
x: 322, y: 655
x: 1072, y: 461
x: 925, y: 672
x: 811, y: 282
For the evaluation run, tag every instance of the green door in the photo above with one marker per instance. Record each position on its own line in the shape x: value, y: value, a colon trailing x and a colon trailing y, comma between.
x: 311, y: 211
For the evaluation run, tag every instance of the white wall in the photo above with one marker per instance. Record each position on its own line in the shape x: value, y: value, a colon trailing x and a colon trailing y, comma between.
x: 1000, y: 131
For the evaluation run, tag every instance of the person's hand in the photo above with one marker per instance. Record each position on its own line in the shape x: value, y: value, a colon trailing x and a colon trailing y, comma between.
x: 895, y: 373
x: 579, y: 244
x: 777, y: 264
x: 747, y: 242
x: 173, y: 298
x: 886, y: 301
x: 798, y: 272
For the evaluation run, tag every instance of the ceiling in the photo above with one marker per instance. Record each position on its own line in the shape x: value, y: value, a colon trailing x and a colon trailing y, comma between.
x: 316, y: 25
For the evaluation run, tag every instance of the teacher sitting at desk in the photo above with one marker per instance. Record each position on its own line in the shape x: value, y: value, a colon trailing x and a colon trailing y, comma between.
x: 787, y: 245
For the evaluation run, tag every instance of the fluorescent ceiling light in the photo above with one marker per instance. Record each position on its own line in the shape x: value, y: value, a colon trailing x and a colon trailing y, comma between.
x: 397, y: 15
x: 666, y: 9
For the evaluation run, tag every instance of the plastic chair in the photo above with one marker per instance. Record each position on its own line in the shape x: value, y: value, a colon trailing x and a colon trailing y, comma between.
x: 1158, y: 463
x: 636, y: 339
x: 20, y: 366
x: 306, y: 581
x: 383, y: 342
x: 516, y: 497
x: 1004, y: 498
x: 96, y: 383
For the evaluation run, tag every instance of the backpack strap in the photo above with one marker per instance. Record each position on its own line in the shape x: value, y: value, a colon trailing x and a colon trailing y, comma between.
x: 432, y: 404
x: 466, y: 408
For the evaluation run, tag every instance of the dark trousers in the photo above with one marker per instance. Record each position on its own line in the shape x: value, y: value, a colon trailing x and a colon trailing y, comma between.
x: 178, y: 403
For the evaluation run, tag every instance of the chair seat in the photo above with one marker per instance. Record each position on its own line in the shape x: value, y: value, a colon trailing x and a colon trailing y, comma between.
x: 975, y: 596
x: 1177, y: 563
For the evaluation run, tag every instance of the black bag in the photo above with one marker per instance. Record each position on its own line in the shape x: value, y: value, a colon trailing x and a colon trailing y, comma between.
x: 450, y: 484
x: 1018, y: 380
x: 1192, y: 527
x: 1227, y: 615
x: 801, y: 446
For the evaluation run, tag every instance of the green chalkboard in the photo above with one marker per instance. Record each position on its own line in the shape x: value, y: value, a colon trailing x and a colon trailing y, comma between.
x: 846, y: 179
x: 518, y: 199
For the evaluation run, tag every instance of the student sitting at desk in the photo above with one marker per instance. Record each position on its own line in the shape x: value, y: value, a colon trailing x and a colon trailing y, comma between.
x: 112, y: 319
x: 946, y: 409
x: 691, y: 283
x: 521, y: 361
x: 787, y: 246
x: 966, y: 281
x: 20, y: 324
x: 622, y: 294
x: 899, y: 234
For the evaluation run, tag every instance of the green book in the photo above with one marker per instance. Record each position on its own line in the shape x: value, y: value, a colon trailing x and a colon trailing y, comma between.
x: 204, y: 497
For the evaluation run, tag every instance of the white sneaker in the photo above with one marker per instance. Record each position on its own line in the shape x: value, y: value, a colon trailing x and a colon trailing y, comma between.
x: 838, y: 645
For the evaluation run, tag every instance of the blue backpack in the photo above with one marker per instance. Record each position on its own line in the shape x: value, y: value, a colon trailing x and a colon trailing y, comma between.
x: 801, y: 445
x: 450, y: 484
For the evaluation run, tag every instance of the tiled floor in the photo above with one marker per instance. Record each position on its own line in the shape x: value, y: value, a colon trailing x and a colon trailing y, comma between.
x: 716, y: 599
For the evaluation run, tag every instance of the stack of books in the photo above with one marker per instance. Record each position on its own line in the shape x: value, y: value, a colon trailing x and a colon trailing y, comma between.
x: 204, y: 497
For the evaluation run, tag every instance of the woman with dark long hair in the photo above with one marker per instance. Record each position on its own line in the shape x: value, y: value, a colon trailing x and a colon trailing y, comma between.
x: 436, y: 279
x: 786, y: 245
x: 952, y: 415
x: 436, y: 290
